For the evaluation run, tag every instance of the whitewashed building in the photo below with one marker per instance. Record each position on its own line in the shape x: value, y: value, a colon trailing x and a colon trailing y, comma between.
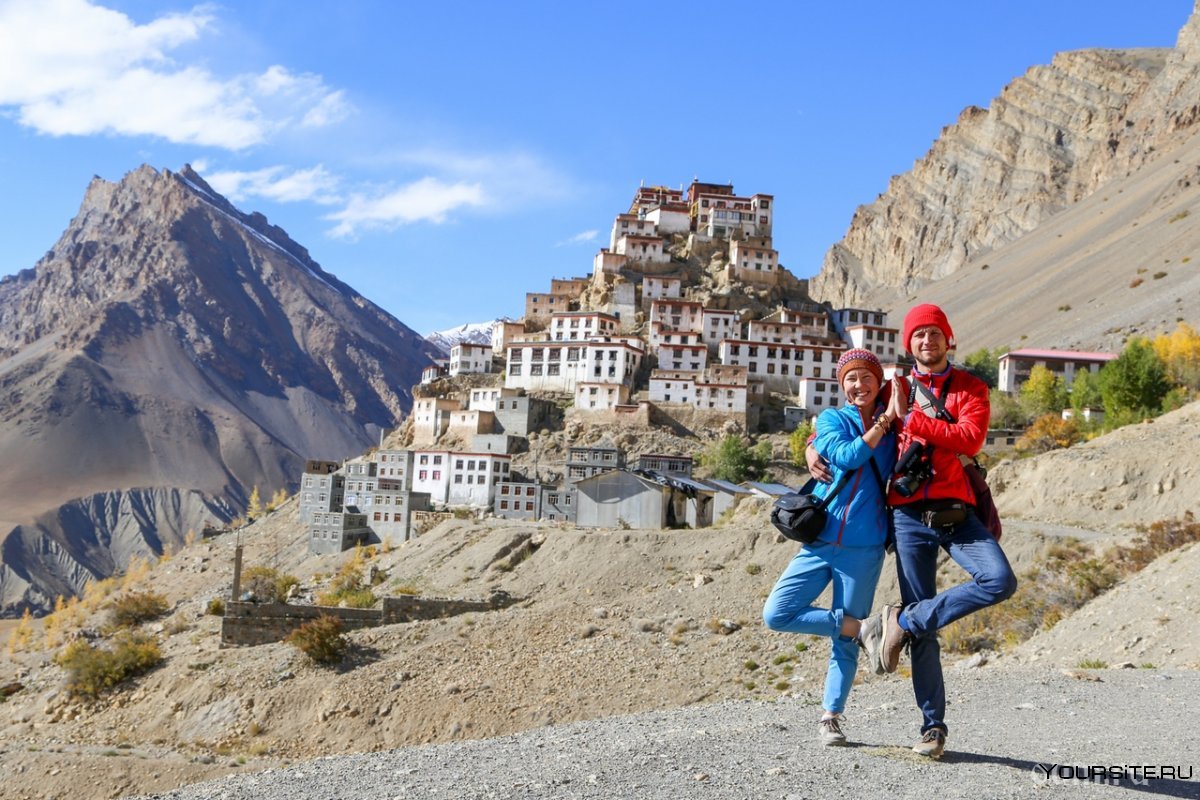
x: 883, y: 342
x: 1015, y: 365
x: 660, y: 287
x: 814, y: 395
x: 578, y: 326
x: 753, y: 260
x: 600, y: 396
x: 468, y: 358
x: 780, y: 366
x: 718, y: 324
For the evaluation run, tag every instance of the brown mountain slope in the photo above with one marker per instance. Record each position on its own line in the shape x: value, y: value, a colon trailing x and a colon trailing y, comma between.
x: 1090, y: 126
x: 165, y: 356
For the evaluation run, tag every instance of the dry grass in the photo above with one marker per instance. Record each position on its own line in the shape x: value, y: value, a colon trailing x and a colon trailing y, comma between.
x: 1069, y: 575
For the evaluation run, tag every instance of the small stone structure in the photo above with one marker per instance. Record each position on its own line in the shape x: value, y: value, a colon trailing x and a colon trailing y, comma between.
x: 262, y: 623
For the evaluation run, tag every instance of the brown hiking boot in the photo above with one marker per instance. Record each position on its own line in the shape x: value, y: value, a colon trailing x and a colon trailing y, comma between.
x: 894, y: 638
x: 932, y: 744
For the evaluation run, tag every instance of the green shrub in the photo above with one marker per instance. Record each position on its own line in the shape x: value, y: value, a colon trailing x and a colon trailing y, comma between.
x: 130, y: 610
x: 320, y: 639
x: 94, y: 670
x: 216, y: 607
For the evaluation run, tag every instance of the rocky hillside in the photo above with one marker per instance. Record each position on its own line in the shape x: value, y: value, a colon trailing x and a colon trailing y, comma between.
x: 165, y: 356
x: 1091, y: 124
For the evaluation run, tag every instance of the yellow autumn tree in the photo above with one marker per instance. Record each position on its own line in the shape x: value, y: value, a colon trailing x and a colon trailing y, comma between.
x: 1180, y: 353
x: 254, y: 509
x: 22, y: 635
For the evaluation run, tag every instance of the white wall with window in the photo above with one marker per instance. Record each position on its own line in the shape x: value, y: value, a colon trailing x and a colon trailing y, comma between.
x: 780, y: 366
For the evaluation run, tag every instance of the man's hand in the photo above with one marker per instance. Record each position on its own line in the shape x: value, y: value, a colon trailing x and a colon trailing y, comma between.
x: 817, y: 466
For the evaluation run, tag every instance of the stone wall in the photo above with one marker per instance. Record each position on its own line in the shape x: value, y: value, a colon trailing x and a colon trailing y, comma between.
x: 247, y: 624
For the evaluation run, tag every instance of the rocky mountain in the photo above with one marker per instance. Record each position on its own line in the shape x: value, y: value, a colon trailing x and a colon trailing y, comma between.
x: 168, y: 354
x: 469, y: 333
x: 1093, y: 123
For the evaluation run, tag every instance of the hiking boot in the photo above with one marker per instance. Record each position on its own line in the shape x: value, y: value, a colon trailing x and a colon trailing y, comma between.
x: 829, y: 729
x: 894, y: 638
x: 870, y: 639
x: 932, y: 744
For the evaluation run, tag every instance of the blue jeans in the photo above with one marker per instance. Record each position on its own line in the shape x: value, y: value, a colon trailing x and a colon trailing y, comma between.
x: 925, y: 610
x: 854, y: 572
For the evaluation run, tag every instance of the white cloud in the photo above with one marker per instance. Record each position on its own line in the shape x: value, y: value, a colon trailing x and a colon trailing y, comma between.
x: 71, y: 67
x: 516, y: 177
x: 277, y: 183
x: 583, y: 237
x: 425, y: 200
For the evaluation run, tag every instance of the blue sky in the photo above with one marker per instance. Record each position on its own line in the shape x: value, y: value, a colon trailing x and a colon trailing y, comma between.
x: 446, y: 158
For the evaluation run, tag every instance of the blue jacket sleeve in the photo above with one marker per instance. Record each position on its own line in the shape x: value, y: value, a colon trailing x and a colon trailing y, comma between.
x: 838, y: 442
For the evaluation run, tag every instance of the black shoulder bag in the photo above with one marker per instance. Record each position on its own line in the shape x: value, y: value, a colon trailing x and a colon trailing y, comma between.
x: 800, y: 516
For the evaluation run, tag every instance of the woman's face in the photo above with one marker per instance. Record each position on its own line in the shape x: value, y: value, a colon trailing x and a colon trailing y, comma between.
x: 861, y: 387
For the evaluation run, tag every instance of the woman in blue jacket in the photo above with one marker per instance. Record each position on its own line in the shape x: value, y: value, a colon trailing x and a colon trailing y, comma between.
x: 849, y: 551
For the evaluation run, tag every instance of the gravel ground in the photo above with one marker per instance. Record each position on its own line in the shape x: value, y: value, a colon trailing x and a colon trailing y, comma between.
x: 1005, y: 721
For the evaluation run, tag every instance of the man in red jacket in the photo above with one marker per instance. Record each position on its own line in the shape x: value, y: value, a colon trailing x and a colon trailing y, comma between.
x: 931, y: 500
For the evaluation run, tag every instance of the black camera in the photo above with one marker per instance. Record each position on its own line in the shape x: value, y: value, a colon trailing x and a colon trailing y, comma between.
x: 913, y: 469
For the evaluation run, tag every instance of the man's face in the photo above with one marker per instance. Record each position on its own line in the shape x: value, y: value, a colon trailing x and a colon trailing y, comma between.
x: 929, y: 348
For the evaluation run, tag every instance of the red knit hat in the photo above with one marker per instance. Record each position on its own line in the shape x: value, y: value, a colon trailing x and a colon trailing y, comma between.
x: 859, y: 359
x: 922, y: 315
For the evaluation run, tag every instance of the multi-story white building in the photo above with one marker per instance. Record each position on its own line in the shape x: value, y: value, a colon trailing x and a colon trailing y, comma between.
x: 394, y: 466
x: 466, y: 357
x: 487, y: 398
x: 719, y: 214
x: 843, y: 318
x: 613, y: 359
x: 555, y: 367
x: 675, y: 315
x: 473, y: 478
x: 1015, y: 365
x: 753, y: 260
x: 600, y: 396
x: 780, y: 366
x: 431, y: 417
x: 647, y: 249
x: 688, y: 355
x: 814, y: 395
x: 879, y: 340
x: 631, y: 224
x: 815, y: 320
x: 459, y: 479
x: 719, y: 388
x: 578, y: 326
x: 718, y: 324
x: 606, y: 262
x: 503, y: 332
x: 762, y: 330
x: 660, y: 287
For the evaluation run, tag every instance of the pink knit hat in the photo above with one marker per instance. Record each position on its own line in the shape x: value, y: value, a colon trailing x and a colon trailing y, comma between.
x: 859, y: 359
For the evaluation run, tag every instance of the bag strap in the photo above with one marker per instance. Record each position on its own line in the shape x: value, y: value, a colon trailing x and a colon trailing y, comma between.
x: 878, y: 478
x: 837, y: 487
x: 938, y: 406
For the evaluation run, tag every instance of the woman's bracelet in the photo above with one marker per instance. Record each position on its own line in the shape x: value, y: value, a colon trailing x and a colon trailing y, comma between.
x: 883, y: 422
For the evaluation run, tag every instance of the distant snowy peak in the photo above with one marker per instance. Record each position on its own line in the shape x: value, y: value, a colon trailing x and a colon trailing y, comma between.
x: 471, y: 333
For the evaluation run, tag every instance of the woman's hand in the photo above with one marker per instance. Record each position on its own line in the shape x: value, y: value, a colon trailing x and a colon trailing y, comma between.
x: 898, y: 407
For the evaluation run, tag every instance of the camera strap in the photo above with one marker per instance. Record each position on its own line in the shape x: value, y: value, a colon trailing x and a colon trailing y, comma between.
x: 929, y: 396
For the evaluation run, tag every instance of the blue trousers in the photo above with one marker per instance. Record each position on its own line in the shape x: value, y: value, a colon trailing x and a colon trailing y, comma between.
x: 854, y: 571
x: 926, y: 610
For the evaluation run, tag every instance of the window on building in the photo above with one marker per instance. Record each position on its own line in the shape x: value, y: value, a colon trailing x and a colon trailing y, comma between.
x: 437, y: 474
